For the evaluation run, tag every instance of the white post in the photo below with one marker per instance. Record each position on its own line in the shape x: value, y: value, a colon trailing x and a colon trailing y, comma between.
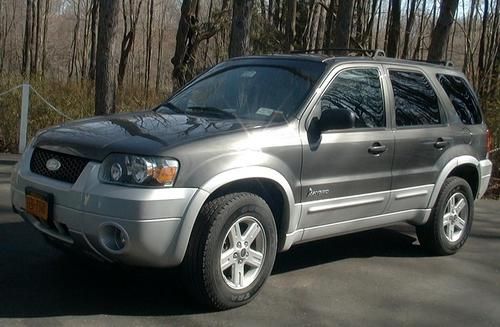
x: 23, y: 129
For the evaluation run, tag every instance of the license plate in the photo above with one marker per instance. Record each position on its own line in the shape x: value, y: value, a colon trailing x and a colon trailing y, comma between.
x: 38, y: 204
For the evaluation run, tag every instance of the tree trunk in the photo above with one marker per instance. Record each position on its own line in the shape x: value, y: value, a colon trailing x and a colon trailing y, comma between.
x: 149, y: 46
x: 330, y: 23
x: 276, y: 14
x: 290, y: 24
x: 34, y: 68
x: 442, y: 29
x: 239, y: 44
x: 185, y: 38
x: 129, y: 17
x: 93, y: 41
x: 394, y: 27
x: 420, y: 33
x: 320, y: 37
x: 44, y: 37
x: 161, y: 39
x: 408, y: 28
x: 482, y: 46
x: 270, y: 11
x: 74, y: 43
x: 105, y: 86
x: 313, y: 31
x: 343, y: 25
x: 379, y: 16
x: 26, y: 62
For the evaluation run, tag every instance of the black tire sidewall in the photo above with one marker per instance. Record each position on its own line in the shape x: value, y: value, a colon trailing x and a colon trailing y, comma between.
x: 246, y: 206
x: 457, y: 185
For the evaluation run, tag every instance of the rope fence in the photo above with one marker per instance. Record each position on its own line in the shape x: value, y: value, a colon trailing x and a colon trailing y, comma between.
x: 25, y: 104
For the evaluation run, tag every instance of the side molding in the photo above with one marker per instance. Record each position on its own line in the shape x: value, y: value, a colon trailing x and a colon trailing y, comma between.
x: 452, y: 164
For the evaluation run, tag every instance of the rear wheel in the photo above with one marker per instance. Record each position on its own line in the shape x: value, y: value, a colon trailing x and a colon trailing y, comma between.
x: 231, y: 251
x: 451, y: 218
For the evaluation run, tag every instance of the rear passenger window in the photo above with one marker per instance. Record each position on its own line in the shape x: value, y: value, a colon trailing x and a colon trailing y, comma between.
x: 358, y: 90
x: 416, y: 103
x: 462, y: 98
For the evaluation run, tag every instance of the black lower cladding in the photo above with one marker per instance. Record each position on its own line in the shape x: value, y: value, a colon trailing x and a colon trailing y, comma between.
x: 70, y: 166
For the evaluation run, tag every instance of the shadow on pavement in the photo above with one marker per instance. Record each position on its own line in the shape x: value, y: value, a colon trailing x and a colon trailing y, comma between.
x: 39, y: 281
x: 379, y: 242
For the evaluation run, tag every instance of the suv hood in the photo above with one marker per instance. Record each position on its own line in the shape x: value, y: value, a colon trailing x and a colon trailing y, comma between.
x: 145, y: 133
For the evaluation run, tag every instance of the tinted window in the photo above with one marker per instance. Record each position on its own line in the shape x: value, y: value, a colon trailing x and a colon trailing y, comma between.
x: 358, y: 90
x: 416, y: 102
x: 462, y: 98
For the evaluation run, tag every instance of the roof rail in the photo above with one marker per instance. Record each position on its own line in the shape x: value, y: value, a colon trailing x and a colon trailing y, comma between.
x: 446, y: 63
x: 369, y: 52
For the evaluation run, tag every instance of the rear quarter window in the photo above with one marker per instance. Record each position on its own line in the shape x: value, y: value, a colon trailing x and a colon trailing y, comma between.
x: 462, y: 98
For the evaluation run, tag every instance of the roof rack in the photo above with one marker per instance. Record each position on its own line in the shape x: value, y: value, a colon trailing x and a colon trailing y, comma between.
x: 446, y: 63
x: 370, y: 52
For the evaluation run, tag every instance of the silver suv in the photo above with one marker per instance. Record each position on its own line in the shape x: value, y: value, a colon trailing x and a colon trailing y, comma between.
x: 258, y: 154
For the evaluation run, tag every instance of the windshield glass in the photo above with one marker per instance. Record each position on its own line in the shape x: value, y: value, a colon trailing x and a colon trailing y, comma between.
x: 255, y: 92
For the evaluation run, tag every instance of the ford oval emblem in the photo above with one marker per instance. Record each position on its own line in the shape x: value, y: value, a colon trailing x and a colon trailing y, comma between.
x: 53, y: 164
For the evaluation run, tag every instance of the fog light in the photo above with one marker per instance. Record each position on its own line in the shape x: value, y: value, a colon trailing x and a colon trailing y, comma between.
x: 113, y: 237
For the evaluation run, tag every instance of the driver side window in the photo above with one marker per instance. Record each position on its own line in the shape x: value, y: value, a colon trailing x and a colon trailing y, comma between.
x: 359, y: 91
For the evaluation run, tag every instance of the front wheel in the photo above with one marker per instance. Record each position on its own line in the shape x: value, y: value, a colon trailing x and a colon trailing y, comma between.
x: 231, y: 251
x: 451, y: 218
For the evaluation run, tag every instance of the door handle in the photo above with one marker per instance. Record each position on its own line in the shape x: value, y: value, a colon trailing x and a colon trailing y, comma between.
x: 377, y: 148
x: 440, y: 143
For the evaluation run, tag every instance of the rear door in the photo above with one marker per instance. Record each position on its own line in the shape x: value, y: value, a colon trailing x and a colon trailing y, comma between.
x: 347, y: 174
x: 422, y: 135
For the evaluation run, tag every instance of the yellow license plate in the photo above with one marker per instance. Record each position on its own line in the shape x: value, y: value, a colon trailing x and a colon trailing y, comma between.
x: 37, y: 207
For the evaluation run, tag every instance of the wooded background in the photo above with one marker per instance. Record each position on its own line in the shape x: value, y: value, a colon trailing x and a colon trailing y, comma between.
x: 136, y: 52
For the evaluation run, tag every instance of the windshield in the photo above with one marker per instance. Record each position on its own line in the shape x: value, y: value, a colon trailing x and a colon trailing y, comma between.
x: 255, y: 92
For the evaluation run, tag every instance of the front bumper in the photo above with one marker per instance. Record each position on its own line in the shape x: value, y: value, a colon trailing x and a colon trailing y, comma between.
x: 151, y: 218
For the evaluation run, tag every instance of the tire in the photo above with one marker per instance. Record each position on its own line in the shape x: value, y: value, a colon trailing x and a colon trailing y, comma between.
x: 214, y: 235
x: 446, y: 235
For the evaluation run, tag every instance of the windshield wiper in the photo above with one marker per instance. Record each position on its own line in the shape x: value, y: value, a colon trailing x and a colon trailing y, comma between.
x: 171, y: 106
x: 211, y: 111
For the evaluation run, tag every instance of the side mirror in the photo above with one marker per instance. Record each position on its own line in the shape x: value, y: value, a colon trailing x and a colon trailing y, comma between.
x: 336, y: 119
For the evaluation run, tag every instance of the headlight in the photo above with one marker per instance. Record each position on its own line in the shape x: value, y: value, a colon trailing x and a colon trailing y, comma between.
x: 138, y: 170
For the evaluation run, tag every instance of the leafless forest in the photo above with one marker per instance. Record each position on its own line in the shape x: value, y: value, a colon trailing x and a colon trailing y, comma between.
x: 135, y: 52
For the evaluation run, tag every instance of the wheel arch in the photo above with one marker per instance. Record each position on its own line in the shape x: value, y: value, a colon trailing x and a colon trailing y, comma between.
x: 466, y: 167
x: 263, y: 181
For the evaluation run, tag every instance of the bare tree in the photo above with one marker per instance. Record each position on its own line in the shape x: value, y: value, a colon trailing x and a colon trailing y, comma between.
x: 75, y: 43
x: 239, y: 44
x: 184, y: 41
x: 149, y: 45
x: 26, y: 62
x: 408, y: 28
x: 290, y: 24
x: 442, y: 29
x: 5, y: 30
x: 420, y: 32
x: 44, y: 36
x: 36, y: 35
x: 130, y: 17
x: 105, y: 86
x: 482, y: 47
x: 394, y: 27
x: 93, y: 36
x: 343, y: 25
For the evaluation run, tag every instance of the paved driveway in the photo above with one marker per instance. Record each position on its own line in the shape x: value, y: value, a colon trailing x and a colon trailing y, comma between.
x: 380, y: 277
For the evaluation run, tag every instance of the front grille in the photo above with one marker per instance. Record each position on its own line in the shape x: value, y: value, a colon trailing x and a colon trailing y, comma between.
x: 70, y: 170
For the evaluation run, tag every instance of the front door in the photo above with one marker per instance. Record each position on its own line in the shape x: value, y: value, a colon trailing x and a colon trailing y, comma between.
x: 347, y: 175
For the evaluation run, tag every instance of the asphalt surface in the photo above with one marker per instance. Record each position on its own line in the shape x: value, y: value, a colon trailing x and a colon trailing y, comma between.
x: 380, y: 277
